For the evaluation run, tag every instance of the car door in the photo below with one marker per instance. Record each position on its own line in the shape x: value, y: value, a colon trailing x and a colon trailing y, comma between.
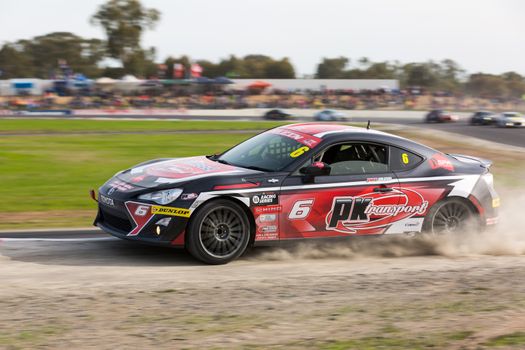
x: 351, y: 200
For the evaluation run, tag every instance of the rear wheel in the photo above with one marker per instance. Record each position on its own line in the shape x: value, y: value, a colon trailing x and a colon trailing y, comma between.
x: 449, y: 217
x: 218, y: 233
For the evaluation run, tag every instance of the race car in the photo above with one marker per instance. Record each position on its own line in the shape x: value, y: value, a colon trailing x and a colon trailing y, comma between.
x: 276, y: 114
x: 440, y: 116
x: 329, y: 115
x: 483, y: 118
x: 298, y: 181
x: 510, y: 120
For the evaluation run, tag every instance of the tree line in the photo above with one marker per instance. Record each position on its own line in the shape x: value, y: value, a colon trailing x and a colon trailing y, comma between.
x: 124, y: 22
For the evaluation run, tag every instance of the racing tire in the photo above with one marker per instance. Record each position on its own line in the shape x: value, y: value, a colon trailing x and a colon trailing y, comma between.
x: 450, y: 216
x: 218, y: 233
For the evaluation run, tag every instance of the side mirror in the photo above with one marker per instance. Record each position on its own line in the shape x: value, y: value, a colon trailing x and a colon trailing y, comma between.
x: 316, y: 169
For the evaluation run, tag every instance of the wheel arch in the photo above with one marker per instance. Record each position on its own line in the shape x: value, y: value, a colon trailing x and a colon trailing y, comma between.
x: 244, y: 207
x: 466, y: 200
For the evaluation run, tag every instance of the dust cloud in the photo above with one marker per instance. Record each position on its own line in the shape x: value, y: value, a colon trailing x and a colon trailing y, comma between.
x: 505, y: 238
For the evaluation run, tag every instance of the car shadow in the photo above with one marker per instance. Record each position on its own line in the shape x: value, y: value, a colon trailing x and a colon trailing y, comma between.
x: 106, y: 252
x: 111, y: 252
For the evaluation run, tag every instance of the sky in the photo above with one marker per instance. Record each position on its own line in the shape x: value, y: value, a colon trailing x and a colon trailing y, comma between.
x: 481, y: 35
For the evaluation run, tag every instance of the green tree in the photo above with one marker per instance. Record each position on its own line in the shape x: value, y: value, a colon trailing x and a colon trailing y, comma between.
x: 231, y: 67
x: 82, y: 55
x: 377, y: 70
x: 487, y: 86
x: 38, y: 57
x: 419, y: 74
x: 124, y: 21
x: 515, y: 84
x: 15, y: 62
x: 281, y: 69
x: 332, y: 68
x: 141, y: 63
x: 254, y: 66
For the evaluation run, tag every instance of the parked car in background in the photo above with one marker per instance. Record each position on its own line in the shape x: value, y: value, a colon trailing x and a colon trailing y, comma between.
x: 440, y: 116
x: 329, y: 115
x: 482, y: 118
x: 277, y: 114
x: 510, y: 120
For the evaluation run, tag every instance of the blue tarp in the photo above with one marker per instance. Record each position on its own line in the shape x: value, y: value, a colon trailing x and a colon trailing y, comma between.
x: 23, y: 85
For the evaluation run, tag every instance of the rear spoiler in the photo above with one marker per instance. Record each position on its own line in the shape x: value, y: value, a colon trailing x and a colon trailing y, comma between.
x: 485, y: 163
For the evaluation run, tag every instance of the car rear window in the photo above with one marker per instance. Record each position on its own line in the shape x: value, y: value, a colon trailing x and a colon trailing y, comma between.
x: 401, y: 159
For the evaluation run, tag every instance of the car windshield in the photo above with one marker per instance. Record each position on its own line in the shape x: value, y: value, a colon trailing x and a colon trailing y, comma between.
x: 273, y: 150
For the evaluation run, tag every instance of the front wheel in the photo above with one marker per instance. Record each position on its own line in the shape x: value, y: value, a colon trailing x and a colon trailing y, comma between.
x: 449, y: 217
x: 218, y: 233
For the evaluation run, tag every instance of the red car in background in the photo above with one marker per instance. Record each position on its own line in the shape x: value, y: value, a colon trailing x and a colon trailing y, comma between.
x: 440, y: 116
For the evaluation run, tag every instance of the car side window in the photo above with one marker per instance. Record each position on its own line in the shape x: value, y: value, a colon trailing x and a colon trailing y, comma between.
x: 401, y: 159
x: 356, y: 159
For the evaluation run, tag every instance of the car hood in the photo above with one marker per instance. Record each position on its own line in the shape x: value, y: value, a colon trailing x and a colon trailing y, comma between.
x: 175, y: 171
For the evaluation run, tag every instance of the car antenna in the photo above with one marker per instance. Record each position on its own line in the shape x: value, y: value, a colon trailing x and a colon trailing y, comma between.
x: 368, y: 125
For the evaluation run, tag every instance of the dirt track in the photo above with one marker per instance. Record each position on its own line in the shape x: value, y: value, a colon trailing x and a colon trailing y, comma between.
x: 466, y: 292
x: 112, y: 294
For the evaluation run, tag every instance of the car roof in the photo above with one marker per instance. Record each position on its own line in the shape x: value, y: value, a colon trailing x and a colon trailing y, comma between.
x: 338, y: 132
x: 326, y: 130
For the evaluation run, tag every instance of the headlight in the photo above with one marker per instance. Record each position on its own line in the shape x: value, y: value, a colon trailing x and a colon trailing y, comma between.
x: 162, y: 197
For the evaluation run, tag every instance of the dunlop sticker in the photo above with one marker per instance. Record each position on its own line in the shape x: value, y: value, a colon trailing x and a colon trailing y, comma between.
x: 185, y: 213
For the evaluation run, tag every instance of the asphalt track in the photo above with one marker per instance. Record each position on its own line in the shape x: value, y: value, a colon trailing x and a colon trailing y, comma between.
x: 508, y: 136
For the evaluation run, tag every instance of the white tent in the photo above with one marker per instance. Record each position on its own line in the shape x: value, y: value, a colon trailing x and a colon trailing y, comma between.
x: 105, y: 81
x: 129, y: 83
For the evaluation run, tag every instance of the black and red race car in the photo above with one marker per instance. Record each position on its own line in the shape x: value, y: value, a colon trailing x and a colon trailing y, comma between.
x: 298, y: 181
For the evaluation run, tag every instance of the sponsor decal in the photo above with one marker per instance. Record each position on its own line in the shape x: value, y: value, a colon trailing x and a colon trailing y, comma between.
x: 175, y: 169
x: 267, y: 218
x: 273, y: 180
x: 106, y: 200
x: 379, y: 179
x: 265, y: 199
x: 269, y: 229
x: 305, y: 139
x: 138, y: 178
x: 268, y: 209
x: 440, y: 161
x: 117, y: 185
x: 373, y: 210
x: 171, y: 211
x: 188, y: 196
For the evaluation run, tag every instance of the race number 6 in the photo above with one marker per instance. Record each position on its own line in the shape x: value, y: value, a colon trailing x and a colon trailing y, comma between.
x: 142, y: 210
x: 301, y: 209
